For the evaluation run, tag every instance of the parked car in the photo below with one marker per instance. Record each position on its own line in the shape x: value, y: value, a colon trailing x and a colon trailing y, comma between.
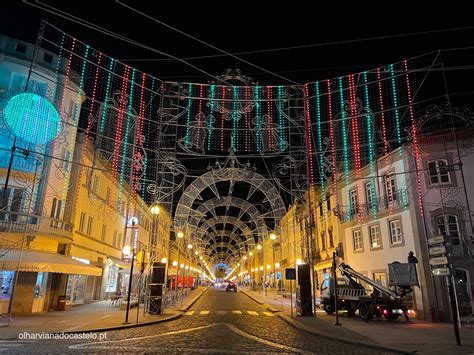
x: 231, y: 287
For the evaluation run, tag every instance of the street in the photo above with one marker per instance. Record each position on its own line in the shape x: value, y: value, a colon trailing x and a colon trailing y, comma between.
x: 219, y: 322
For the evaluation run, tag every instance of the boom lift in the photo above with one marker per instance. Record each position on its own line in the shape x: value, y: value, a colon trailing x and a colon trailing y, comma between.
x: 353, y: 296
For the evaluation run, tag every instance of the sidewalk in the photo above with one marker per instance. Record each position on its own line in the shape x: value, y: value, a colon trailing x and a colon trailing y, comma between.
x: 98, y: 316
x: 422, y: 337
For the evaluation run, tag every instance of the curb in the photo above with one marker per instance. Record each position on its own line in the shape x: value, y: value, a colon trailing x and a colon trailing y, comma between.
x: 307, y: 329
x: 117, y: 327
x: 193, y: 301
x: 269, y: 307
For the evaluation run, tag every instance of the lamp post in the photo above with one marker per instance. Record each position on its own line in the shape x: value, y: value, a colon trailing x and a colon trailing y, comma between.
x: 133, y: 221
x: 273, y: 238
x: 179, y: 236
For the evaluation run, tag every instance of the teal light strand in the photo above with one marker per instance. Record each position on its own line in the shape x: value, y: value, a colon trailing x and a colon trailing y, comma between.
x: 211, y: 116
x: 398, y: 130
x: 106, y: 99
x: 281, y: 128
x: 371, y: 143
x: 235, y: 123
x: 188, y: 115
x: 345, y: 149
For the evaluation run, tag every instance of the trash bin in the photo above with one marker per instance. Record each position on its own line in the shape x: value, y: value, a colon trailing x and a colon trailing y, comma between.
x: 61, y: 303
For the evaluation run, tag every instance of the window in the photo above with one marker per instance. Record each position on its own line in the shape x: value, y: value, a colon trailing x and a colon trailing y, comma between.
x: 374, y: 235
x: 89, y: 225
x: 321, y: 212
x: 20, y: 47
x: 109, y: 194
x: 357, y: 239
x: 390, y: 189
x: 380, y: 278
x: 16, y: 204
x: 448, y: 225
x: 395, y: 227
x: 328, y: 203
x: 95, y: 185
x: 104, y: 232
x: 323, y: 241
x: 119, y: 240
x: 81, y: 222
x: 438, y: 170
x: 369, y: 195
x: 354, y: 206
x: 114, y: 240
x: 331, y: 237
x: 48, y: 58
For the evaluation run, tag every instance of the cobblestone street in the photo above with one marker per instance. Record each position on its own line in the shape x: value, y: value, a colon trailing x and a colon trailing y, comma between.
x: 219, y: 322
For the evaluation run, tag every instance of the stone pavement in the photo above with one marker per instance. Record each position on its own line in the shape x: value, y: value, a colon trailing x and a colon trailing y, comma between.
x: 420, y: 336
x: 97, y: 316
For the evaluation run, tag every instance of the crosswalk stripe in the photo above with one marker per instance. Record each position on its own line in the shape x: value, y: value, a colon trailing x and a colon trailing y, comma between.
x: 252, y: 313
x: 237, y: 312
x: 221, y: 312
x: 189, y: 313
x: 269, y: 314
x: 204, y: 312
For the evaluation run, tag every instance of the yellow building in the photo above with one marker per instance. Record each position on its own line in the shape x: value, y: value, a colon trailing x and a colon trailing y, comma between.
x: 98, y: 211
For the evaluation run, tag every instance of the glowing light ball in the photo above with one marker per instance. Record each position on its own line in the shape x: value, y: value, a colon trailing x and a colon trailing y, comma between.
x: 32, y: 118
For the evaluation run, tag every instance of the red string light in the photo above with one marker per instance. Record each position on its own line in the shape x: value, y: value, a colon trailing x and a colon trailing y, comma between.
x: 331, y: 138
x: 308, y: 136
x: 118, y: 133
x: 382, y: 113
x: 414, y: 138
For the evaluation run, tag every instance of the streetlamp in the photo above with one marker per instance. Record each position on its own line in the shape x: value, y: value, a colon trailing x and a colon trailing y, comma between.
x: 180, y: 236
x: 133, y: 222
x: 273, y: 237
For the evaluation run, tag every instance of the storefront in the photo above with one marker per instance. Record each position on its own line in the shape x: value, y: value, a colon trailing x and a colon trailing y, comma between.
x: 34, y: 283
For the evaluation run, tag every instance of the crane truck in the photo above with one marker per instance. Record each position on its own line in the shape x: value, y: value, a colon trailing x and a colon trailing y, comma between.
x: 353, y: 296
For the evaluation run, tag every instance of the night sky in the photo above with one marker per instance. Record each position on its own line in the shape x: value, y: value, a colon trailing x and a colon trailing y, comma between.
x: 245, y: 26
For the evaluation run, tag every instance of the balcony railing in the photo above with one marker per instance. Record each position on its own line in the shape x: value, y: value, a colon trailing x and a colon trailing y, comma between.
x: 379, y: 204
x: 16, y: 222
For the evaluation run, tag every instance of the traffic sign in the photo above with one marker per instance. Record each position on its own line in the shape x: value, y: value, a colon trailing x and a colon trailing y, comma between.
x: 443, y: 271
x: 437, y: 250
x: 436, y: 240
x: 441, y: 260
x: 290, y: 274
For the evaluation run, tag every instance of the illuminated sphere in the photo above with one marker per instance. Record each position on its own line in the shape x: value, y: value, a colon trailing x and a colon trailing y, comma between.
x: 32, y: 118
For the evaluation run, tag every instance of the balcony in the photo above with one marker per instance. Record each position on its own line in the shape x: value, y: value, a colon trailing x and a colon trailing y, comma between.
x: 380, y: 204
x: 17, y: 222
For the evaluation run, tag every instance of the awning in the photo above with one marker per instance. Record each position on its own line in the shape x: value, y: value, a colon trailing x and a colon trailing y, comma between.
x: 37, y: 261
x: 120, y: 263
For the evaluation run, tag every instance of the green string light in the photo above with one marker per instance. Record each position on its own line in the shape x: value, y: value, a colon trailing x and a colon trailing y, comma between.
x: 235, y: 123
x: 345, y: 149
x: 281, y: 128
x: 211, y: 116
x: 371, y: 143
x: 398, y: 130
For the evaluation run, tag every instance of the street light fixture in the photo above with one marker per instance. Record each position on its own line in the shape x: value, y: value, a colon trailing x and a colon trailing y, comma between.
x: 251, y: 253
x: 259, y: 247
x: 155, y: 210
x: 180, y: 234
x: 190, y: 246
x: 277, y: 265
x: 273, y: 236
x: 175, y: 263
x: 164, y: 260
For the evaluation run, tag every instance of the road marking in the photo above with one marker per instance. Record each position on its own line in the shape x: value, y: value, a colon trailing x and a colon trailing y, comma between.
x: 189, y: 313
x: 204, y: 312
x: 221, y: 312
x: 100, y: 345
x: 237, y: 312
x: 269, y: 314
x: 252, y: 313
